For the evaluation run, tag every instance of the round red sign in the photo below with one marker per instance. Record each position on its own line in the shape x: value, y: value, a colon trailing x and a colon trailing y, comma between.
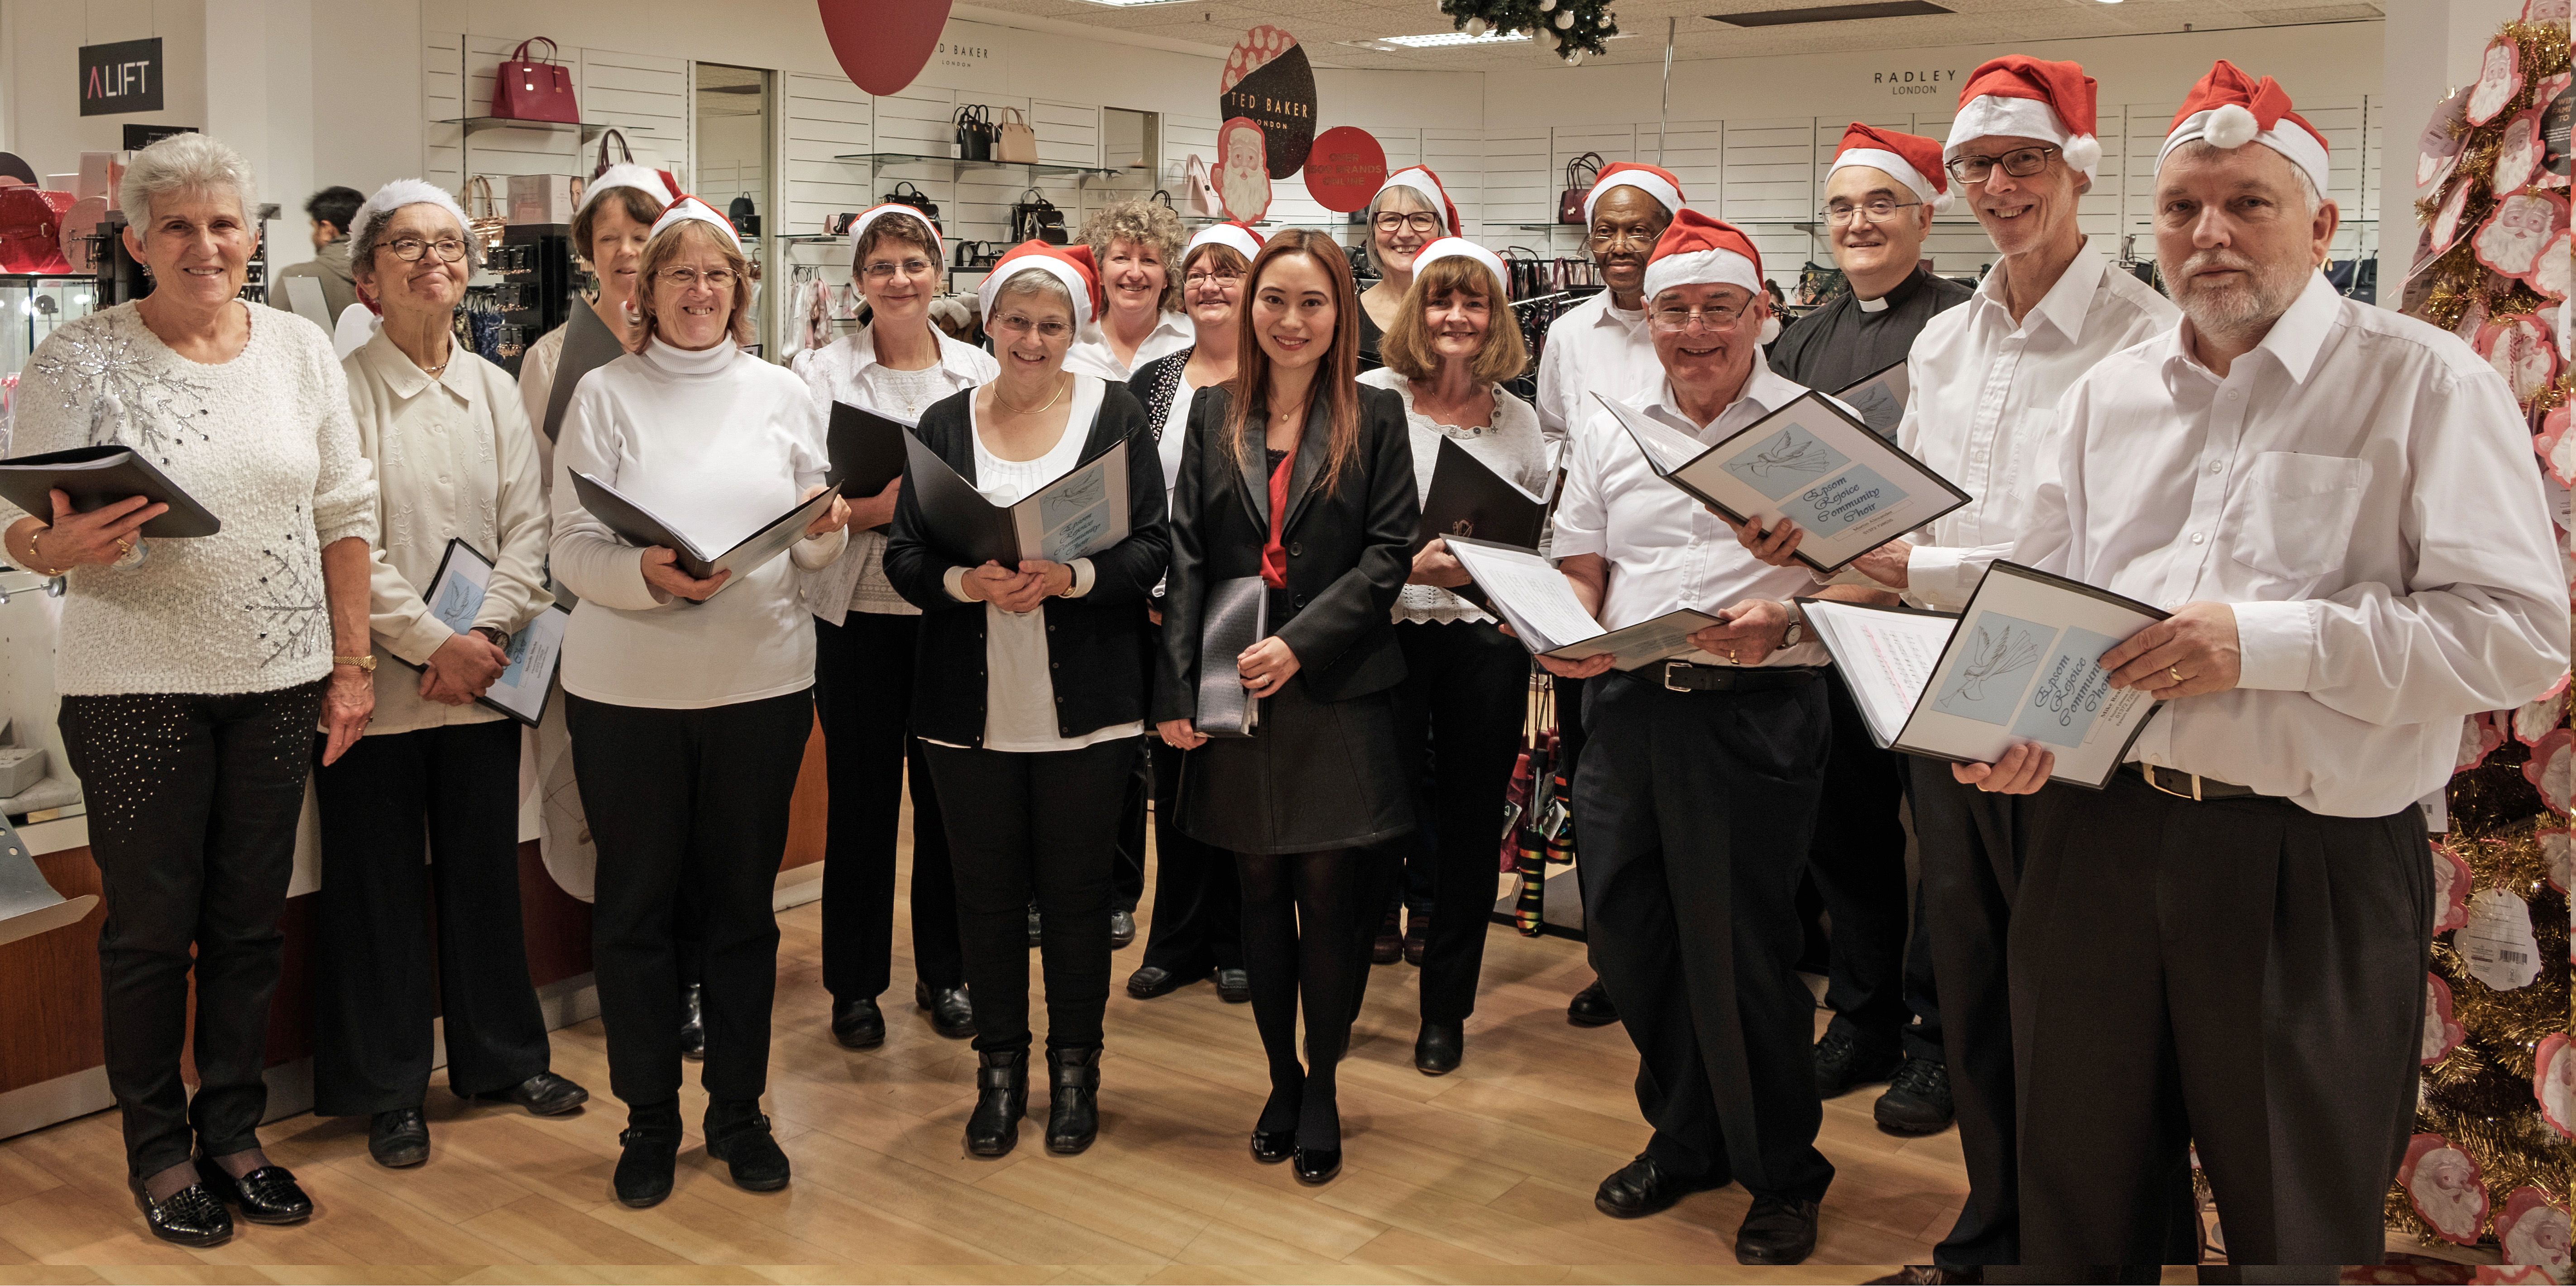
x: 1344, y: 168
x: 883, y: 44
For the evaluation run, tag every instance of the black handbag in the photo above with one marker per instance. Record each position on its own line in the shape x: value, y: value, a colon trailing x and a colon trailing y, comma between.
x: 974, y: 132
x: 744, y: 216
x: 965, y: 254
x: 906, y: 194
x: 1037, y: 219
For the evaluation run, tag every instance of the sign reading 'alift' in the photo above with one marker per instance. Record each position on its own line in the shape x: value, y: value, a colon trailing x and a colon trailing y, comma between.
x: 122, y: 77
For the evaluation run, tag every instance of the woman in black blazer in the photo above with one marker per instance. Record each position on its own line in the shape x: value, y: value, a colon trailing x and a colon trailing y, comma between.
x: 1031, y: 691
x: 1308, y: 486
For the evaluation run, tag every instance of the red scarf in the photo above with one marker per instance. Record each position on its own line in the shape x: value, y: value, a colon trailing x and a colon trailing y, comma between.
x: 1274, y: 558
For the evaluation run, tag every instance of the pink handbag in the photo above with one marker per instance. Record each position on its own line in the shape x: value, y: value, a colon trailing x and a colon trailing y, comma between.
x: 527, y: 89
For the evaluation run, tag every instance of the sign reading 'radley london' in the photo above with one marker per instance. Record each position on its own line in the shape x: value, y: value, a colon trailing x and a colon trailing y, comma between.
x: 1926, y: 81
x: 121, y: 77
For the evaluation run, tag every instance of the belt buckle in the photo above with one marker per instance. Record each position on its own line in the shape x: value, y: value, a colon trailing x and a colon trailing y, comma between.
x: 1669, y: 685
x: 2158, y: 783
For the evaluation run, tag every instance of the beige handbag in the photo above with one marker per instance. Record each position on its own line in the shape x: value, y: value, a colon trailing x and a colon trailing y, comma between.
x: 1015, y: 142
x: 483, y: 213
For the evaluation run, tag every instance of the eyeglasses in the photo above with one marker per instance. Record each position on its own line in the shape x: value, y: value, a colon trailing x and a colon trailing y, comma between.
x: 1198, y: 279
x: 1605, y: 237
x: 2020, y: 163
x: 1675, y: 319
x: 687, y: 278
x: 408, y: 249
x: 1019, y: 325
x: 1874, y: 211
x: 887, y: 270
x: 1419, y: 221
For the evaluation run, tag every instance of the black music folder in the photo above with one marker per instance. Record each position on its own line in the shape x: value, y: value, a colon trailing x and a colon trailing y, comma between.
x: 641, y: 526
x: 1236, y: 616
x: 97, y: 476
x: 1077, y: 515
x: 1467, y: 498
x: 588, y: 345
x: 866, y: 449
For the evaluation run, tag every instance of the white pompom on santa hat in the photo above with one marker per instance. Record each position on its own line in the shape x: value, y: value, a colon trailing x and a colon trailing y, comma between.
x: 1910, y: 159
x: 2018, y: 96
x: 2229, y: 109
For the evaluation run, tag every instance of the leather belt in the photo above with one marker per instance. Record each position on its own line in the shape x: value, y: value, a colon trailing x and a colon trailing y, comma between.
x: 2192, y: 786
x: 1683, y: 676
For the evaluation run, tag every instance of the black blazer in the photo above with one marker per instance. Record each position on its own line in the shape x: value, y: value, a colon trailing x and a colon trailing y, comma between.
x: 1349, y: 550
x: 1096, y: 644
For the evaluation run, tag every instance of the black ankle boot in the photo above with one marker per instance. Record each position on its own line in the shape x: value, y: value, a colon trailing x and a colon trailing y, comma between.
x: 738, y: 1135
x: 1001, y: 1098
x: 651, y: 1154
x: 1073, y: 1099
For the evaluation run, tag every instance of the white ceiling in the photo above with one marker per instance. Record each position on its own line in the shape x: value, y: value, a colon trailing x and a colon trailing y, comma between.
x: 1321, y: 25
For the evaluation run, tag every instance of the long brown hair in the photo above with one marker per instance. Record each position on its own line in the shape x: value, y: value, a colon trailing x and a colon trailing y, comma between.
x: 1336, y: 377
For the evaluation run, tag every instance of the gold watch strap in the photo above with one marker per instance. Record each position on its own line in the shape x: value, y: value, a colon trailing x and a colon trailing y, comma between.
x: 366, y: 663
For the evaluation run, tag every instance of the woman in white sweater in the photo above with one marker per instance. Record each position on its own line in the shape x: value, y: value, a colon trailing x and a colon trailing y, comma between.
x: 690, y: 699
x: 193, y: 670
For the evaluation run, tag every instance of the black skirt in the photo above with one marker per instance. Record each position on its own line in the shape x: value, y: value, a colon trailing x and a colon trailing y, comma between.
x: 1317, y: 775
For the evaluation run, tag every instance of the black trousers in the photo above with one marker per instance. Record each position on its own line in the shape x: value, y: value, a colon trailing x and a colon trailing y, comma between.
x: 1127, y: 863
x: 193, y: 802
x: 1198, y: 901
x: 1880, y: 981
x: 1695, y: 809
x: 687, y: 805
x: 863, y: 672
x: 2240, y: 975
x: 1458, y: 717
x: 1043, y: 826
x: 376, y: 988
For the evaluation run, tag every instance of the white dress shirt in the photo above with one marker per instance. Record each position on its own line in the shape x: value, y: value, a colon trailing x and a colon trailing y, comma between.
x: 1983, y: 395
x: 2361, y: 487
x: 1594, y: 346
x: 455, y: 460
x: 839, y: 372
x: 1091, y: 355
x: 1666, y: 551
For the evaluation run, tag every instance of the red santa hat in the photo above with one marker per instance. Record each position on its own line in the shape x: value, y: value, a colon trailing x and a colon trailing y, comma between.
x: 1233, y: 234
x: 859, y: 226
x: 2229, y: 109
x: 1910, y: 159
x: 688, y: 208
x: 1653, y: 180
x: 2024, y: 97
x: 1420, y: 179
x: 1700, y: 251
x: 1462, y: 248
x: 1069, y: 264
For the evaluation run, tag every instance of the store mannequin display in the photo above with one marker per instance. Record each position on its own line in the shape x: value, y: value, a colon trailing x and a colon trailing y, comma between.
x: 437, y: 775
x: 1410, y: 211
x: 179, y: 707
x: 866, y: 637
x: 686, y: 768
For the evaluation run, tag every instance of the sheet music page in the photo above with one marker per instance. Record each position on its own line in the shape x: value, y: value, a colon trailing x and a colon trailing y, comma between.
x: 1886, y: 658
x: 1536, y: 595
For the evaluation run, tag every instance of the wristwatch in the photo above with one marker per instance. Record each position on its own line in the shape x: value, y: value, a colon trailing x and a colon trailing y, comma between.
x: 499, y: 639
x: 1797, y: 626
x: 366, y: 663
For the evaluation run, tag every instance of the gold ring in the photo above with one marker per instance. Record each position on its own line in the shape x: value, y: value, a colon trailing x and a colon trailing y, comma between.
x: 2177, y: 674
x: 122, y: 549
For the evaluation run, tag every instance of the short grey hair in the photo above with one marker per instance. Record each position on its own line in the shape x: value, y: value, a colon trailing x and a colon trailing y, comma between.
x: 183, y: 163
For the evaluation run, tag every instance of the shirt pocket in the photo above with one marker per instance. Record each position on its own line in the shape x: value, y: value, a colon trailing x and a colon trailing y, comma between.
x: 2293, y: 515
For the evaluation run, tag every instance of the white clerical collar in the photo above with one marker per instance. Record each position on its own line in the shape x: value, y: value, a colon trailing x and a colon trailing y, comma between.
x: 1878, y: 305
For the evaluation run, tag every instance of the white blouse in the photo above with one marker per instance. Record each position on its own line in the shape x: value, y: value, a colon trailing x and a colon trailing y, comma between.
x: 1091, y: 354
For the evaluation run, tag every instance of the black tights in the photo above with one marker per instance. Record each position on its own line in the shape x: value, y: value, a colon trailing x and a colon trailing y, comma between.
x: 1303, y: 937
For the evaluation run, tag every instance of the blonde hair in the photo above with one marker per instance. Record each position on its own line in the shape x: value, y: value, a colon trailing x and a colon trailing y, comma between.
x: 1146, y: 223
x: 1406, y: 346
x: 666, y: 246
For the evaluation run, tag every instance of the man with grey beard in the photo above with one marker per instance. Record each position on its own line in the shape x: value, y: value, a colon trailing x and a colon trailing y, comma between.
x: 2339, y: 506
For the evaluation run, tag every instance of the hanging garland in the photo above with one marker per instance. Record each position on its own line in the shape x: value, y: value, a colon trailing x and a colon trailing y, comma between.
x: 1577, y: 26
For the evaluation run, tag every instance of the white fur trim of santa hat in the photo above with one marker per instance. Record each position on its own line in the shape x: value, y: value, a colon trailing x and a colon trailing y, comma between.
x: 1053, y: 260
x: 859, y: 227
x: 689, y: 207
x: 1231, y: 234
x: 2231, y: 126
x: 1897, y: 168
x: 1994, y: 115
x: 402, y: 192
x: 1462, y: 248
x: 642, y: 178
x: 1702, y: 268
x: 1657, y: 183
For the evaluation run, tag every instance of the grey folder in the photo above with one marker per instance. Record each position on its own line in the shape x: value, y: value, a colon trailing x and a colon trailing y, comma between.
x: 1236, y: 617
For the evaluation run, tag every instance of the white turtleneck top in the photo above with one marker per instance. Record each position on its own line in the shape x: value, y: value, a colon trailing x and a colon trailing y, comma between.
x: 716, y: 443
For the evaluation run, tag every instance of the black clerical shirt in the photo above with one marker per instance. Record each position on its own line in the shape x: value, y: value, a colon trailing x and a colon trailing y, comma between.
x: 1842, y: 342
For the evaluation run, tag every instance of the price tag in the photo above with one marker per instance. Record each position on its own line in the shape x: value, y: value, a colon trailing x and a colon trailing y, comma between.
x: 2498, y: 943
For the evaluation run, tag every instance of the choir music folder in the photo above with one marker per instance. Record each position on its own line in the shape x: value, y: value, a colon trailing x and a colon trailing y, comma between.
x: 1468, y: 498
x: 1536, y: 600
x: 588, y: 345
x: 1078, y: 514
x: 1236, y: 616
x: 1879, y: 399
x: 866, y: 450
x: 641, y: 526
x: 456, y: 594
x: 102, y: 475
x: 1810, y: 461
x: 2021, y: 664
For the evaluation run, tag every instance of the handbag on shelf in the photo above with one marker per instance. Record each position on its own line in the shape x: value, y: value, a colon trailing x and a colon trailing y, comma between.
x: 965, y: 254
x: 1580, y: 174
x: 1013, y: 139
x: 484, y: 220
x: 974, y: 132
x: 1163, y: 199
x: 1203, y: 198
x: 744, y: 216
x: 525, y: 88
x: 31, y: 229
x: 625, y: 156
x: 906, y: 194
x: 1037, y: 219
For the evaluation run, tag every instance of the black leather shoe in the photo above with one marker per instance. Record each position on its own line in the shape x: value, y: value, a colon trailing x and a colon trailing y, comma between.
x: 1317, y: 1165
x: 1001, y: 1098
x: 738, y: 1135
x: 1642, y: 1187
x: 398, y: 1138
x: 645, y: 1168
x: 1155, y: 980
x: 1417, y: 937
x: 1776, y: 1231
x: 1841, y: 1065
x: 1073, y: 1099
x: 952, y: 1014
x: 1122, y: 929
x: 1270, y: 1147
x: 1234, y: 986
x: 544, y: 1094
x: 191, y: 1216
x: 1591, y: 1007
x: 858, y: 1024
x: 1035, y: 937
x: 1389, y: 946
x: 1436, y: 1050
x: 693, y: 1024
x: 1917, y: 1100
x: 268, y: 1194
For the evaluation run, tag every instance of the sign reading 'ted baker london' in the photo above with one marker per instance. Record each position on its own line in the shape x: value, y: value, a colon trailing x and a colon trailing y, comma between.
x: 121, y: 77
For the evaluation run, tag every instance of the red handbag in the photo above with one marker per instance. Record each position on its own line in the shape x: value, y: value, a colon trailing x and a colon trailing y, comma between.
x: 525, y: 89
x: 31, y: 229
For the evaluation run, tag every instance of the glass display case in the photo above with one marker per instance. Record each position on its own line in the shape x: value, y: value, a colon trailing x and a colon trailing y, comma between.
x: 31, y: 305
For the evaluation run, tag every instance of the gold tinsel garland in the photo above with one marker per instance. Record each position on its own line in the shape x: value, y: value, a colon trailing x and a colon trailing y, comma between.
x: 2457, y: 280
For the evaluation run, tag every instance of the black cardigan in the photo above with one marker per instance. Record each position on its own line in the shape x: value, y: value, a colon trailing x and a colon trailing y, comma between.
x: 1096, y: 644
x: 1349, y: 550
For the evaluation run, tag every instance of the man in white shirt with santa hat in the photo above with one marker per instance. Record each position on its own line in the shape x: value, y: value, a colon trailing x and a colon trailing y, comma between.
x: 2339, y: 505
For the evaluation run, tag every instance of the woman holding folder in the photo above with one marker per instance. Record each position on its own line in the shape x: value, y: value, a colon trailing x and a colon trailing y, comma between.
x: 1466, y: 685
x: 1030, y: 686
x: 1297, y: 485
x: 690, y: 699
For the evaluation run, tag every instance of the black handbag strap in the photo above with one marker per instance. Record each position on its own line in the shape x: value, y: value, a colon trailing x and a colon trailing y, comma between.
x: 627, y: 154
x: 1583, y: 171
x: 1162, y: 196
x: 903, y: 188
